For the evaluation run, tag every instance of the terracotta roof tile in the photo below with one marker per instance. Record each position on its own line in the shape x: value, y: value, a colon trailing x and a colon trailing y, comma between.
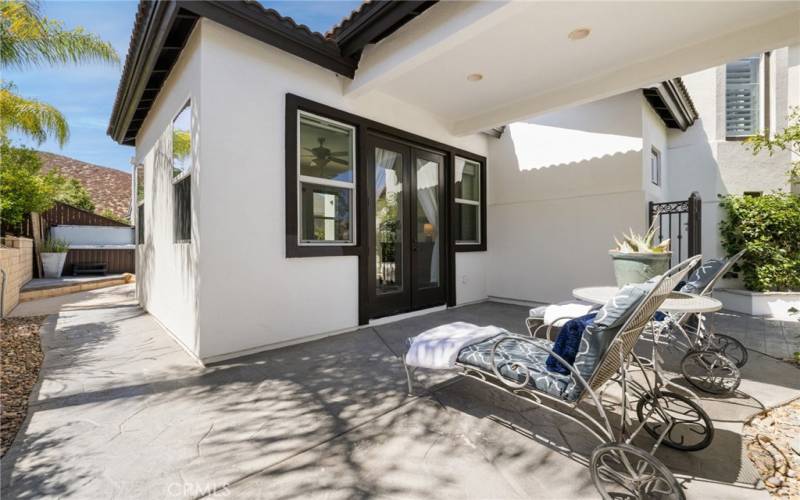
x: 289, y: 22
x: 365, y: 6
x: 136, y: 36
x: 109, y: 188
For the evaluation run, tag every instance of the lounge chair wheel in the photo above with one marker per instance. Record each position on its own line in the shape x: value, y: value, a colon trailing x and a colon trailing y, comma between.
x: 729, y: 347
x: 691, y: 428
x: 711, y: 372
x: 624, y: 471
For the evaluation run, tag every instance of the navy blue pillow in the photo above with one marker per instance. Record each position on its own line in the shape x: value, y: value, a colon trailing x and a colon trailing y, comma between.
x: 568, y: 342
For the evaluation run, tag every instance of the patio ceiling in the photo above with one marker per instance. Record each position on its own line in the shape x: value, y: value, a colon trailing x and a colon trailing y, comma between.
x: 530, y: 66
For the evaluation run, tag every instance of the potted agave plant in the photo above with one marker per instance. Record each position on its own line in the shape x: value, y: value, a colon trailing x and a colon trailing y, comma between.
x: 54, y: 253
x: 636, y: 259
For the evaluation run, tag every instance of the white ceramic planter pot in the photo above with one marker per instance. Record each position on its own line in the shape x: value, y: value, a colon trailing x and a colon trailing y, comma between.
x: 53, y: 264
x: 639, y: 267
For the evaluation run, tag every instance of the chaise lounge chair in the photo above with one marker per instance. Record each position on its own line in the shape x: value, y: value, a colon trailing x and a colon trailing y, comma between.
x: 712, y: 360
x: 518, y: 365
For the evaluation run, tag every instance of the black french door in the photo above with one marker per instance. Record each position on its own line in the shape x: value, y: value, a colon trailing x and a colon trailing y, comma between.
x: 407, y: 238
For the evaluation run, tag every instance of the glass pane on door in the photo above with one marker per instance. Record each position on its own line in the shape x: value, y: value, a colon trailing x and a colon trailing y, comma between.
x: 427, y: 224
x: 388, y: 221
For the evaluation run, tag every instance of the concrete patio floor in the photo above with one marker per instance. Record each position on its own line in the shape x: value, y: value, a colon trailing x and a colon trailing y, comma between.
x: 122, y: 412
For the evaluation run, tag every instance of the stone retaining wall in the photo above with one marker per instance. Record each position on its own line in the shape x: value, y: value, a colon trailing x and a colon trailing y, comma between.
x: 16, y: 260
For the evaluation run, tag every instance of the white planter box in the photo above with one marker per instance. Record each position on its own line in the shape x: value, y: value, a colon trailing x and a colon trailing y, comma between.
x: 773, y: 304
x: 53, y: 264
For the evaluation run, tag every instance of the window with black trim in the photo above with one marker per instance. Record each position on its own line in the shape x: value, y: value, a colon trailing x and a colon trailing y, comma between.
x: 140, y: 224
x: 326, y: 181
x: 138, y: 181
x: 468, y: 199
x: 182, y: 174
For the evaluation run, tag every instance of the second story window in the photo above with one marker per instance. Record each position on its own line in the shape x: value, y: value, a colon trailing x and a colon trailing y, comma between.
x: 655, y: 167
x: 743, y: 97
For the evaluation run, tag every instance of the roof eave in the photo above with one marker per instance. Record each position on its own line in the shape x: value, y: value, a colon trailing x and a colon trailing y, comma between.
x: 140, y: 61
x: 373, y: 21
x: 268, y: 26
x: 671, y: 100
x: 152, y: 30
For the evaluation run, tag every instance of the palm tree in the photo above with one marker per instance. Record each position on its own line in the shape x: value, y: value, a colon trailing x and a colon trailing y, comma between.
x: 33, y: 118
x: 28, y: 39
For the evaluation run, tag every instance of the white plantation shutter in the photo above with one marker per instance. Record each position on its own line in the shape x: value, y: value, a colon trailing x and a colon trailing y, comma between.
x: 742, y: 97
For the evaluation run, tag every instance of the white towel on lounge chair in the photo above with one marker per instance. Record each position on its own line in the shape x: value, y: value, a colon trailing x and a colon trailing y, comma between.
x: 564, y: 310
x: 438, y: 347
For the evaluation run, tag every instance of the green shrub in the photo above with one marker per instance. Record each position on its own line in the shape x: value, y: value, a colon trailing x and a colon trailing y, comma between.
x: 23, y: 189
x: 72, y: 192
x: 55, y: 245
x: 768, y: 227
x: 108, y: 214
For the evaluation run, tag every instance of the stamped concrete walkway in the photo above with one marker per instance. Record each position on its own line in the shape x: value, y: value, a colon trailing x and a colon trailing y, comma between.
x: 123, y: 412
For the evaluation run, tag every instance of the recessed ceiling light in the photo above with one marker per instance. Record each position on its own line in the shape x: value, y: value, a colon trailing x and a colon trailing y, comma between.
x: 475, y: 77
x: 579, y: 34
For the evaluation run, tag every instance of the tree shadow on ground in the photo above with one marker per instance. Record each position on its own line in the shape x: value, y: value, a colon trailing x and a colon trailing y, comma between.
x: 123, y: 410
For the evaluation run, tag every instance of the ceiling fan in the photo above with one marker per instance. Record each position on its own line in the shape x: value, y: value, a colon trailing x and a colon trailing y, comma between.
x: 321, y: 156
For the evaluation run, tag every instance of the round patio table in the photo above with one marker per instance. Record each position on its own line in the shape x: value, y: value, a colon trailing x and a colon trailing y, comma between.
x: 678, y: 302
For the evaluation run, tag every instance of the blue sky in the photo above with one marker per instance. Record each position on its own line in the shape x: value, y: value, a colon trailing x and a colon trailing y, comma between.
x: 85, y: 93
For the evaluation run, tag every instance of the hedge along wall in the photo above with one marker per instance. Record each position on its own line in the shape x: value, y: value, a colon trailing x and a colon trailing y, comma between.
x: 768, y: 227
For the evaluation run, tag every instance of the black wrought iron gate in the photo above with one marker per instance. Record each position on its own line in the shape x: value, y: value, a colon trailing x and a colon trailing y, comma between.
x: 680, y: 221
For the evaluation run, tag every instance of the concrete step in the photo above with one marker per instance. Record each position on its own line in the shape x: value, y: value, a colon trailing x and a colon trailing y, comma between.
x: 43, y: 288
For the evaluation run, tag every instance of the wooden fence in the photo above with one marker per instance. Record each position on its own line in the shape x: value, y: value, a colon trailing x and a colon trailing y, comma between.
x: 116, y: 260
x: 61, y: 213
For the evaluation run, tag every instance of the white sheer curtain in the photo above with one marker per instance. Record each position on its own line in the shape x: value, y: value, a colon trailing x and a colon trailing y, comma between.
x: 384, y: 160
x: 460, y: 164
x: 427, y: 195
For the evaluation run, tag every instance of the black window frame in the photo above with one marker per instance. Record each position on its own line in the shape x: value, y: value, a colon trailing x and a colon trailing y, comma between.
x: 138, y: 201
x: 181, y: 186
x: 364, y: 127
x: 480, y: 246
x: 140, y: 223
x: 182, y: 209
x: 294, y: 247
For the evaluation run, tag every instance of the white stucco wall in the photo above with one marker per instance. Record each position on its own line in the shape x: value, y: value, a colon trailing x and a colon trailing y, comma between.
x: 252, y: 295
x: 560, y: 187
x: 654, y: 135
x: 167, y: 280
